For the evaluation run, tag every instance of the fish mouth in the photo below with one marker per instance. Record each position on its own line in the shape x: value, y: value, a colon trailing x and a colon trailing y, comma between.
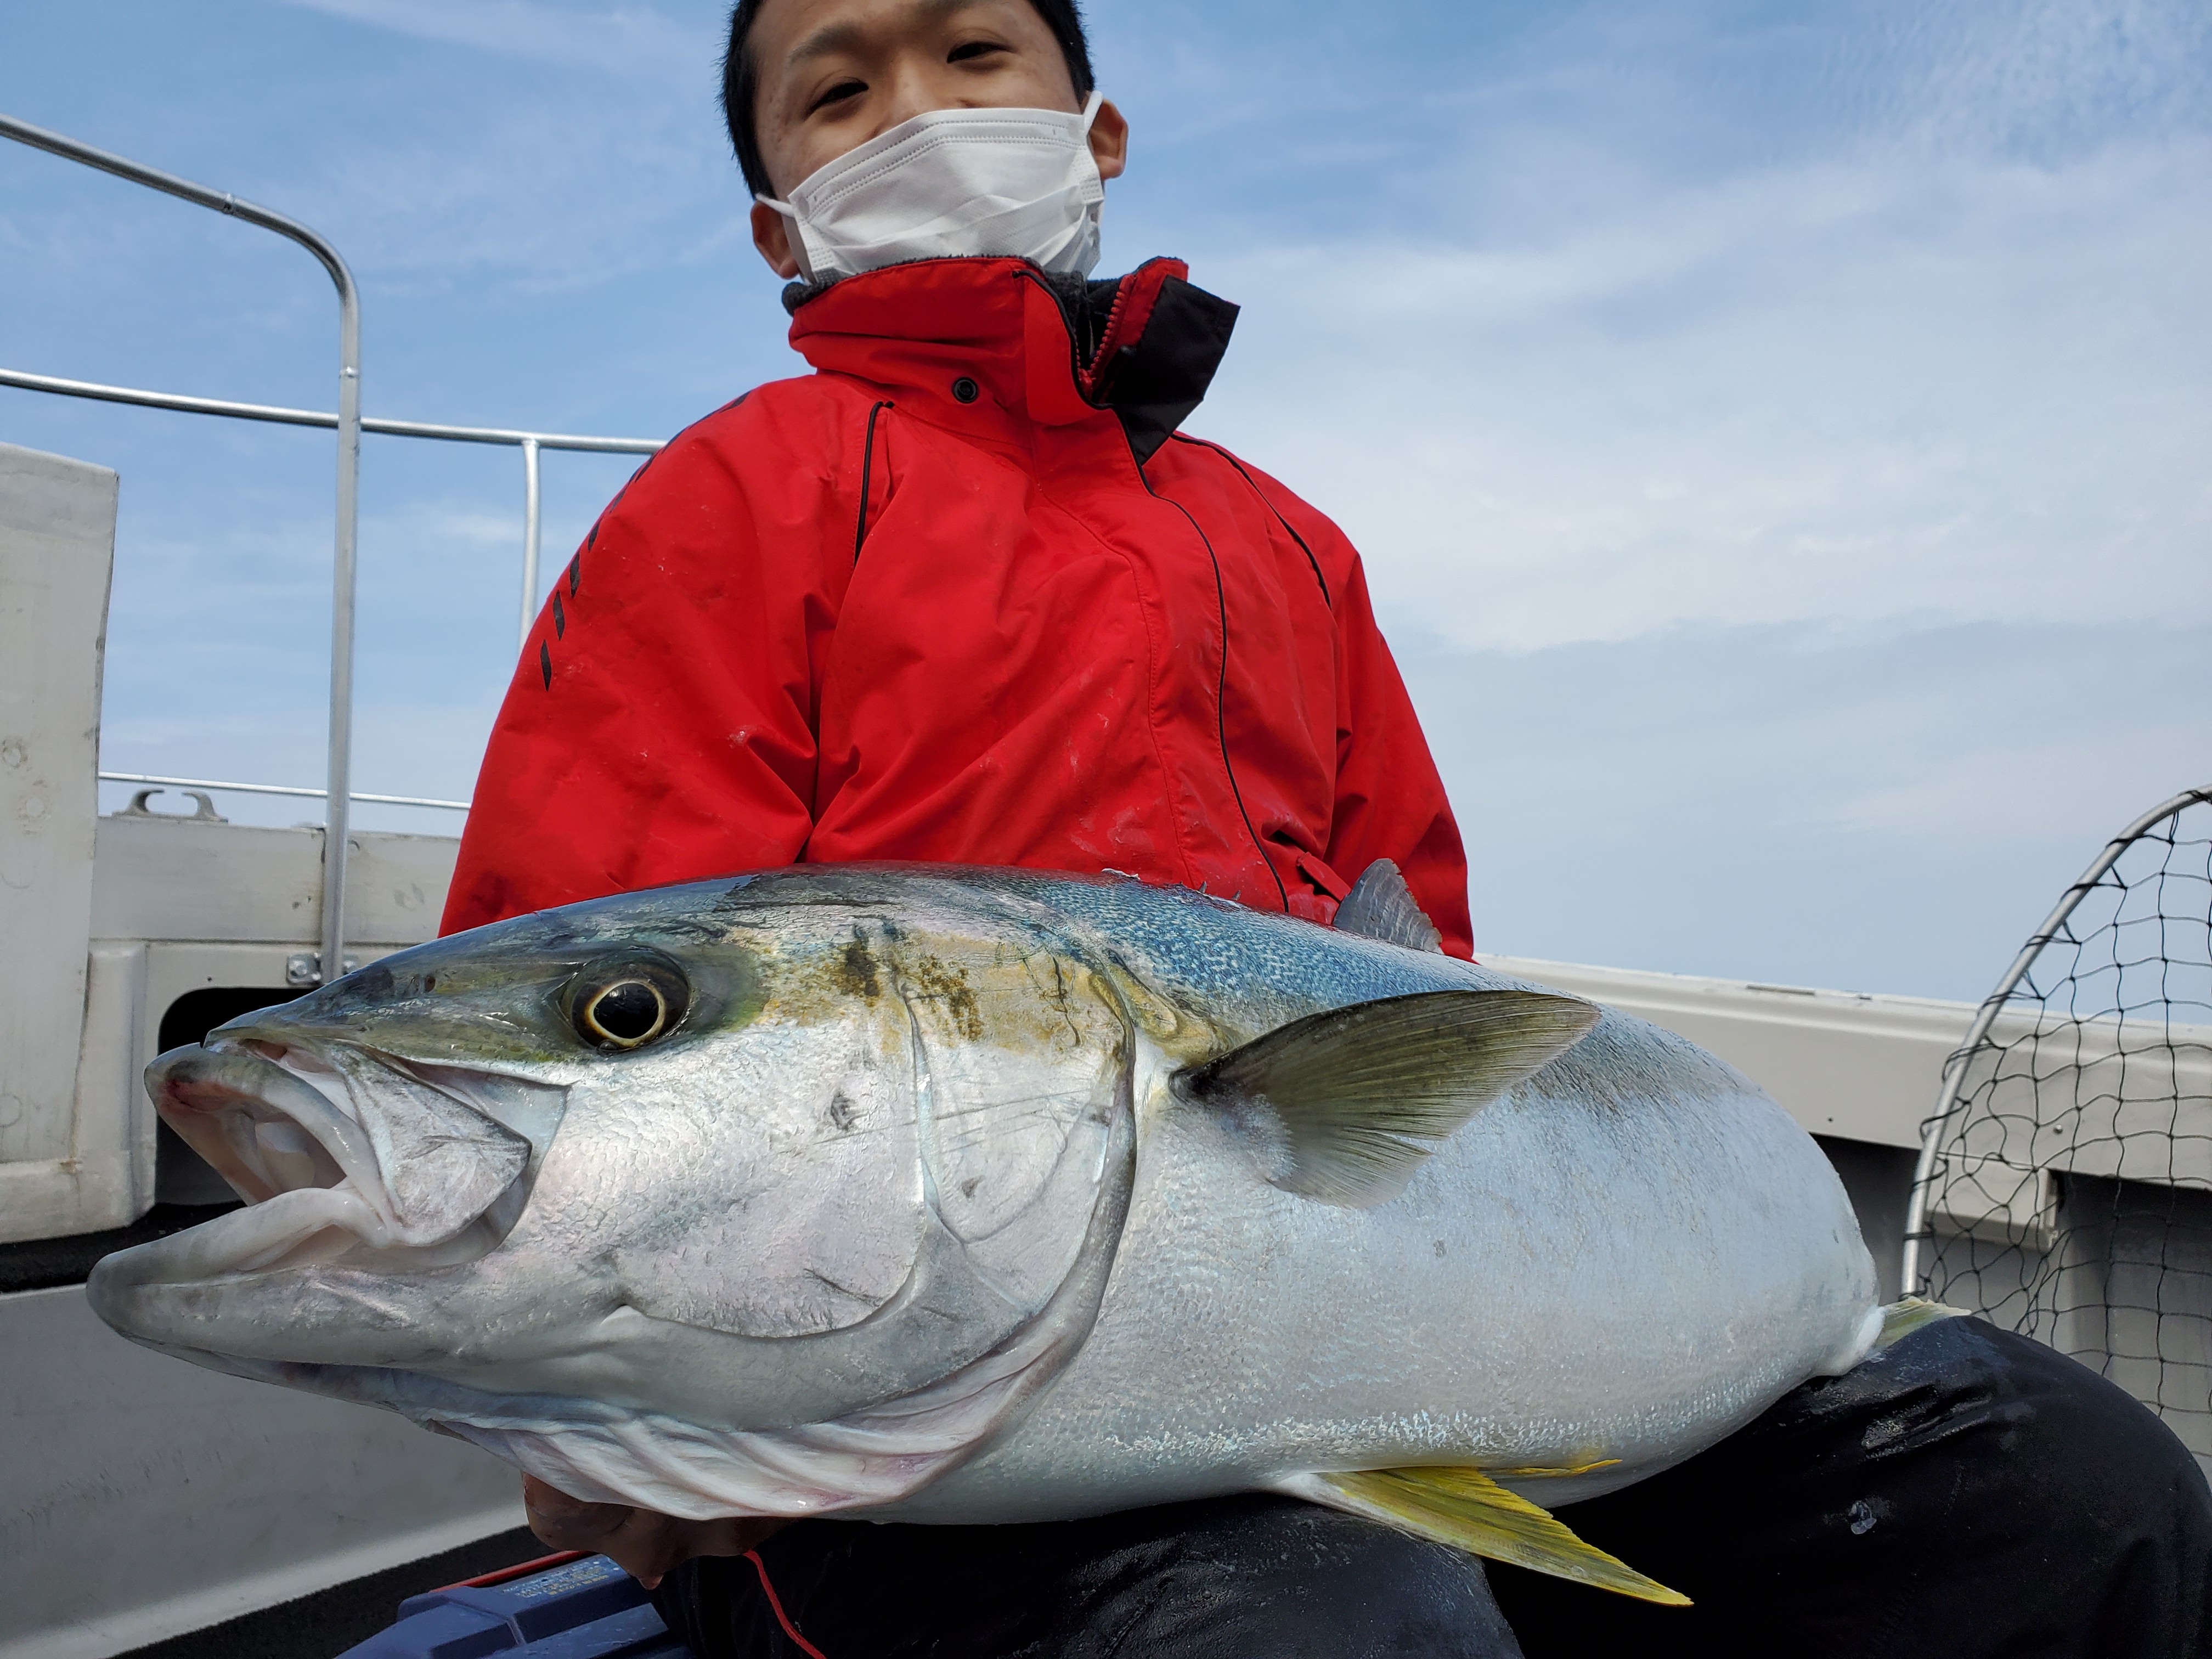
x: 343, y: 1156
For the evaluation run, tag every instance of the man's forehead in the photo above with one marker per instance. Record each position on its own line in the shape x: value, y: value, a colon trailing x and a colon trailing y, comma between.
x: 817, y: 28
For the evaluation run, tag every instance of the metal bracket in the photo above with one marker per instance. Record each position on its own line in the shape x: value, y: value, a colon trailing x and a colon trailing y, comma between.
x: 306, y: 966
x: 203, y: 812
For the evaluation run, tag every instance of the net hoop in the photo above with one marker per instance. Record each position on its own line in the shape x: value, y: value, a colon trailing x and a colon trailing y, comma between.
x: 1956, y: 1065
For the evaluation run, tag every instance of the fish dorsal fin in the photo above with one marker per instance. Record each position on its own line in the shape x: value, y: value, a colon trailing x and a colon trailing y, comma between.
x: 1381, y: 906
x: 1465, y: 1508
x: 1363, y: 1093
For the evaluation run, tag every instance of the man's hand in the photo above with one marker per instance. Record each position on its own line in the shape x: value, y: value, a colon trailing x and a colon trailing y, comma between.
x: 643, y: 1544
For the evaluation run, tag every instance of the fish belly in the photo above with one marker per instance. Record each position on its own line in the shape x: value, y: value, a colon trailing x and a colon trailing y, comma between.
x: 1619, y: 1281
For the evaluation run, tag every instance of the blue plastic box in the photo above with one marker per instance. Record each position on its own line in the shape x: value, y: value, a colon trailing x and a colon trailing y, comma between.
x: 583, y: 1608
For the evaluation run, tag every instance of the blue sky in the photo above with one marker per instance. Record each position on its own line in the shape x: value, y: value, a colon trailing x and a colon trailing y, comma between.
x: 1780, y: 437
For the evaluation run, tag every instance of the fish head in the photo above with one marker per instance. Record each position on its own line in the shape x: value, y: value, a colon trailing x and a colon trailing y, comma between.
x: 722, y: 1160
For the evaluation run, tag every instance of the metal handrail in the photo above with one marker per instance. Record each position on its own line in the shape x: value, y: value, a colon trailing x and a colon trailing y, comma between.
x: 530, y: 443
x: 339, y: 799
x: 278, y: 789
x: 511, y: 436
x: 337, y: 796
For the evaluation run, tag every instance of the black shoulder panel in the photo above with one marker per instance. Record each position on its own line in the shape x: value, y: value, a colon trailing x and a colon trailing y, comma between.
x: 1155, y: 383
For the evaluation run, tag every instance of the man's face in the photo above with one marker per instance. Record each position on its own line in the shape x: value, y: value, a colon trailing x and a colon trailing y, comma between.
x: 834, y: 74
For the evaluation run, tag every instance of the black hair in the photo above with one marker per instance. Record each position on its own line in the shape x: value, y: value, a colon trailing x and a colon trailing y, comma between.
x: 741, y: 81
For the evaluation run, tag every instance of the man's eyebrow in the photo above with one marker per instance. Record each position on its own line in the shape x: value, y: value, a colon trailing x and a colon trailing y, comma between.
x: 843, y: 37
x: 831, y: 37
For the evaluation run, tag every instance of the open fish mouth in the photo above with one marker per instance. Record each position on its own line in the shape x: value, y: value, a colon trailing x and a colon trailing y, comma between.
x: 343, y: 1156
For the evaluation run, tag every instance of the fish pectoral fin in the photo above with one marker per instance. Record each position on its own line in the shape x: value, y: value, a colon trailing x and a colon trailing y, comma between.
x: 1382, y: 906
x: 1363, y: 1093
x: 1466, y: 1509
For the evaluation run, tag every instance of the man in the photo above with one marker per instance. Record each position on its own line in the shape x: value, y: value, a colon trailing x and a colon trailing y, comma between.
x: 963, y: 594
x: 967, y: 593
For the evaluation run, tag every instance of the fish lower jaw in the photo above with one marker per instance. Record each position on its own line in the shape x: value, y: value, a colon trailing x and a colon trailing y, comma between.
x: 307, y: 1224
x: 294, y: 1229
x: 308, y: 1227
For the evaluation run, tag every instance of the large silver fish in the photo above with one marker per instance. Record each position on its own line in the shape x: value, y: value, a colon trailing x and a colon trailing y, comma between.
x: 951, y: 1194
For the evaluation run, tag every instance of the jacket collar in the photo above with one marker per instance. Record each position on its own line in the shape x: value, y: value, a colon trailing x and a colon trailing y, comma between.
x: 1048, y: 349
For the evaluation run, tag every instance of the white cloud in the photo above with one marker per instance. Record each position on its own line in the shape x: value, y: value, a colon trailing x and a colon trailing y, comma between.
x: 2040, y: 74
x: 433, y: 530
x: 1889, y: 810
x: 1878, y: 316
x: 1867, y: 388
x: 625, y: 40
x: 536, y: 194
x: 594, y: 152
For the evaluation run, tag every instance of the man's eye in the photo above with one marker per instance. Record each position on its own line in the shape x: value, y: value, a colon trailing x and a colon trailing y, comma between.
x: 974, y: 49
x: 837, y: 95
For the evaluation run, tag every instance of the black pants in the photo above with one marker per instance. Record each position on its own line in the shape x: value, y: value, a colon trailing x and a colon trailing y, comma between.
x: 1968, y: 1494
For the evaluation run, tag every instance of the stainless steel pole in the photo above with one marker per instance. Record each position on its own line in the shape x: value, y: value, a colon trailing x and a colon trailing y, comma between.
x: 338, y: 808
x: 529, y: 536
x: 334, y: 844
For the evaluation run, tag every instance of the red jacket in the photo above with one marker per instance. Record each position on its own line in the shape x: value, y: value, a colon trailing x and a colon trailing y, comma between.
x: 963, y: 595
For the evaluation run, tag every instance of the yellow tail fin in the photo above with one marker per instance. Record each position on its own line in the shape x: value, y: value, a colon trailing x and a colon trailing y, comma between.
x: 1467, y: 1509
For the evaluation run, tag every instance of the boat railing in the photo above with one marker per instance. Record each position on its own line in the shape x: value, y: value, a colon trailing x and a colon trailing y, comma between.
x: 160, y: 782
x: 337, y: 794
x: 531, y: 444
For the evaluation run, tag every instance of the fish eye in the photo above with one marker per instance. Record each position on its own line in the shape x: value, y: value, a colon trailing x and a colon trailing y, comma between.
x: 628, y: 1006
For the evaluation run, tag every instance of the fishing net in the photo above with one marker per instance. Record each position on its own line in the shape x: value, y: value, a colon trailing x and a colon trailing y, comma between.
x: 2064, y: 1188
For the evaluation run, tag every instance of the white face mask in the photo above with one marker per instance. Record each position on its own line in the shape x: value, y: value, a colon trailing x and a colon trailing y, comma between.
x: 1009, y: 182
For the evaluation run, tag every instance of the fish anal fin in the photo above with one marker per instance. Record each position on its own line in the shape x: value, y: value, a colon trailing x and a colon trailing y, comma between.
x: 1552, y: 1473
x: 1382, y: 906
x: 1467, y: 1509
x: 1900, y: 1319
x: 1363, y: 1093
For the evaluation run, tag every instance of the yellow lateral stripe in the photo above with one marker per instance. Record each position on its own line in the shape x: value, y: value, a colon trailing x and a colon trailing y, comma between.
x: 1550, y: 1474
x: 1467, y: 1509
